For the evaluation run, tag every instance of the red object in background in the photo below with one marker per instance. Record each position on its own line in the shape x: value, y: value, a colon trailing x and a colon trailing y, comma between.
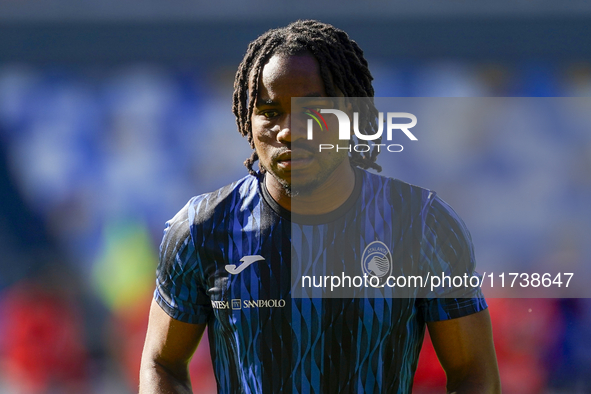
x: 201, y: 369
x: 42, y: 345
x: 429, y: 377
x: 127, y: 337
x: 523, y: 329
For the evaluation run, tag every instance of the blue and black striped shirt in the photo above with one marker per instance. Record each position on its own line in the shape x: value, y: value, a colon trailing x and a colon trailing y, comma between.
x: 231, y: 259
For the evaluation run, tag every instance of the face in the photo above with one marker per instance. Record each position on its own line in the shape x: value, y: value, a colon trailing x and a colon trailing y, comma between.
x: 280, y: 138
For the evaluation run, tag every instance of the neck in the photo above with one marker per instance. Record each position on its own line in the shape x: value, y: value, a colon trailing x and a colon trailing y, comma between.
x: 330, y: 195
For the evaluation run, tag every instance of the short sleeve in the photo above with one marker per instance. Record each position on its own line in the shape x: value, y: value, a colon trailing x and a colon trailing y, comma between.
x: 448, y: 257
x: 180, y: 290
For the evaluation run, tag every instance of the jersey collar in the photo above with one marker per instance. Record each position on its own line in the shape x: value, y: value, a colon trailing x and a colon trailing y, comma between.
x: 313, y: 219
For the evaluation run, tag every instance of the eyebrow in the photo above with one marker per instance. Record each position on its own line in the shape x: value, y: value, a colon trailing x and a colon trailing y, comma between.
x: 261, y: 102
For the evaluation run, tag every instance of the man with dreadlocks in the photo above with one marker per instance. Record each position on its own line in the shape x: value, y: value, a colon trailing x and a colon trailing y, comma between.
x: 226, y: 257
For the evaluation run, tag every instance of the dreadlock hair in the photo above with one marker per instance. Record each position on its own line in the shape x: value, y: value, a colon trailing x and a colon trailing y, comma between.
x: 341, y: 61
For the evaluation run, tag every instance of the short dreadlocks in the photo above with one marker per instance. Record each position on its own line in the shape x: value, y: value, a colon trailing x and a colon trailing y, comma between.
x: 341, y: 61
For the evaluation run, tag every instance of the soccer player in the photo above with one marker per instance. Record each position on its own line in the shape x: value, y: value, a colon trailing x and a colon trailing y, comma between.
x: 225, y: 260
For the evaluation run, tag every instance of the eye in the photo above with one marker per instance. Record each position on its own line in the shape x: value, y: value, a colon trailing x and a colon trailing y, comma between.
x: 270, y: 114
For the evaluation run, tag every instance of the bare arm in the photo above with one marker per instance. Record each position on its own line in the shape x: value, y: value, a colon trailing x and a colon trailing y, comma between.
x: 466, y: 351
x: 169, y: 346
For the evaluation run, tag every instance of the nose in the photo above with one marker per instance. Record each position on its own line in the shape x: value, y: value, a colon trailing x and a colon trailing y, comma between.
x: 291, y: 128
x: 284, y: 130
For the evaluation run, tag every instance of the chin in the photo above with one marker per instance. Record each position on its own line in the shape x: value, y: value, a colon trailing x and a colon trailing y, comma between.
x: 305, y: 189
x: 285, y: 183
x: 299, y: 189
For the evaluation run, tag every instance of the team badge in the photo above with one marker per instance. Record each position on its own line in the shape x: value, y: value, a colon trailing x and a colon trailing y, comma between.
x: 376, y: 260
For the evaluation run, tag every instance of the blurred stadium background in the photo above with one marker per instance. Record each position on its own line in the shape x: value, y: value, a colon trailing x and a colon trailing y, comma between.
x: 113, y: 114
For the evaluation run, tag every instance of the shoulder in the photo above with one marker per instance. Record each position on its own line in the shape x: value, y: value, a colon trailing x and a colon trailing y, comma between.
x: 398, y: 193
x: 204, y: 210
x: 204, y: 207
x: 413, y: 202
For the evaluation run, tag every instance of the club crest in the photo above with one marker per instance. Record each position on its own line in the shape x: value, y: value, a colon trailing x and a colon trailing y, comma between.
x: 376, y: 260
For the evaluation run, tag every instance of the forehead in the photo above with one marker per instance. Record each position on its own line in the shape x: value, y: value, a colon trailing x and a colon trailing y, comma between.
x: 280, y: 65
x: 298, y: 75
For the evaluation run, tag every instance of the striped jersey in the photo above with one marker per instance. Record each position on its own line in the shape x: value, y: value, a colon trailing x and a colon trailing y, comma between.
x: 234, y: 259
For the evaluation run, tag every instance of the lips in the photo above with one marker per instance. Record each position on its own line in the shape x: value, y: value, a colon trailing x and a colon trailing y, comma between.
x: 286, y: 156
x: 290, y: 160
